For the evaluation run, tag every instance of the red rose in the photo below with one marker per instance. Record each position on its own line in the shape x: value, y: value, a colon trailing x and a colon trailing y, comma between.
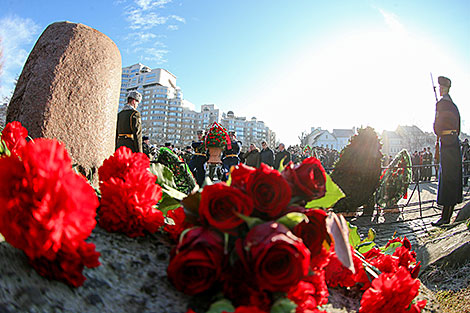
x: 314, y: 233
x: 269, y: 190
x: 307, y: 180
x: 240, y: 175
x: 273, y: 256
x: 14, y: 135
x: 390, y: 292
x: 220, y: 205
x: 178, y: 216
x: 197, y: 262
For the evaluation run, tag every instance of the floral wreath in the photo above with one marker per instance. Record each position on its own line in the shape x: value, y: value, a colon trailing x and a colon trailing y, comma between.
x: 217, y: 136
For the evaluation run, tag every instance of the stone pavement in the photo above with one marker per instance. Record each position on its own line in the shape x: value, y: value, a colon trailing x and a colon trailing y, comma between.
x: 413, y: 217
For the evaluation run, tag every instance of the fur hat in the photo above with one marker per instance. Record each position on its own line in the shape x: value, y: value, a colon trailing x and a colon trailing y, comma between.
x: 135, y: 95
x: 443, y: 81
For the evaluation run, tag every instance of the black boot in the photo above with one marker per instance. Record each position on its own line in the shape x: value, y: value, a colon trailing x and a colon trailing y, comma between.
x: 445, y: 217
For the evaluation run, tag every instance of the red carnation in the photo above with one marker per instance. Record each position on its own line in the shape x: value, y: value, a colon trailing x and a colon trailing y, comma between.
x: 197, y: 261
x: 307, y: 180
x: 47, y: 210
x: 220, y: 205
x: 274, y: 256
x: 338, y: 275
x: 14, y: 135
x: 129, y: 194
x: 310, y: 292
x: 390, y: 292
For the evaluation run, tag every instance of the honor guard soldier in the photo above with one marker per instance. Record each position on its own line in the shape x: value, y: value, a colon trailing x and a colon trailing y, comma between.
x: 447, y: 129
x: 129, y: 124
x: 230, y: 154
x: 199, y: 158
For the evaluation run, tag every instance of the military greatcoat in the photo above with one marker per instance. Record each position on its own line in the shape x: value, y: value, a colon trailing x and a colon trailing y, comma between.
x: 447, y: 128
x: 129, y: 129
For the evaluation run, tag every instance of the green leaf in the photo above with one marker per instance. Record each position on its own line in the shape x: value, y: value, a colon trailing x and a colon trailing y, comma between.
x: 365, y: 246
x: 332, y: 195
x: 370, y: 235
x: 167, y: 203
x: 172, y: 192
x: 391, y: 248
x: 354, y: 237
x: 164, y: 175
x: 290, y: 220
x: 251, y: 221
x: 223, y: 305
x: 283, y: 305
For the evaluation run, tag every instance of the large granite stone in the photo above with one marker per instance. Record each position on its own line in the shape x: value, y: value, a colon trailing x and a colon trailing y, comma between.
x: 69, y: 90
x: 450, y: 247
x: 131, y: 278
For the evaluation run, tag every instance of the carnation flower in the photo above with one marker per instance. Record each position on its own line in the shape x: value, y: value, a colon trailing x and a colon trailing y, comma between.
x: 47, y: 210
x: 390, y: 292
x: 129, y: 194
x: 14, y: 135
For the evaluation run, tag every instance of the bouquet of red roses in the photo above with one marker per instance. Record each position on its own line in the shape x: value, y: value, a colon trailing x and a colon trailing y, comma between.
x: 255, y: 240
x: 259, y: 240
x: 217, y: 136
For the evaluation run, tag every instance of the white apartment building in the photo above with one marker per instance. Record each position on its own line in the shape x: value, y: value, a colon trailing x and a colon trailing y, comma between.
x: 337, y: 139
x: 167, y: 117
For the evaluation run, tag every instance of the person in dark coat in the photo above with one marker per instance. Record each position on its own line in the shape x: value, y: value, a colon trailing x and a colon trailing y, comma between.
x: 230, y: 155
x: 199, y: 158
x: 447, y: 129
x: 266, y: 154
x: 129, y: 124
x: 282, y: 155
x: 252, y: 157
x: 145, y: 145
x: 466, y: 160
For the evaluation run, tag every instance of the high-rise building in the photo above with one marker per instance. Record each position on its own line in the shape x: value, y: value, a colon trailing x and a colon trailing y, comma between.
x: 167, y: 117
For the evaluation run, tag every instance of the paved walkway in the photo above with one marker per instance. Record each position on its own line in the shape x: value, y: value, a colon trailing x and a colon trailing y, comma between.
x: 412, y: 219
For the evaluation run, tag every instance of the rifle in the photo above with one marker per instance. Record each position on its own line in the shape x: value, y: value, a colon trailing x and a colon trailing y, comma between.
x: 436, y: 154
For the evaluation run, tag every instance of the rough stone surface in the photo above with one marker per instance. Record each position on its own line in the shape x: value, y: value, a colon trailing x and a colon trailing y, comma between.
x: 452, y: 246
x: 463, y: 214
x: 69, y: 90
x: 131, y: 278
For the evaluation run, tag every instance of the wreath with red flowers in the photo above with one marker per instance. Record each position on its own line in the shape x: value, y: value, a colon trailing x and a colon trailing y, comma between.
x: 217, y: 136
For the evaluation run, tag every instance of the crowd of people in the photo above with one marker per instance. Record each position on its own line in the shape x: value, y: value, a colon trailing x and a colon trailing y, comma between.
x: 446, y: 127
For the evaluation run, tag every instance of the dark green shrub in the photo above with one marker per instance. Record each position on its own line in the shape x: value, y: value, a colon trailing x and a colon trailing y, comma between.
x: 358, y: 170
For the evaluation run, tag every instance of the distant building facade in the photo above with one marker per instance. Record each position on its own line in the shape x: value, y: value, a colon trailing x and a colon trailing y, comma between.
x: 168, y: 117
x: 337, y: 139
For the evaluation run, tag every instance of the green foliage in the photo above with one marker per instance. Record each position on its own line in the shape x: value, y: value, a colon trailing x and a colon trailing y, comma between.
x: 222, y: 305
x: 361, y: 245
x: 357, y: 172
x: 283, y: 305
x: 182, y: 176
x: 333, y: 194
x: 290, y: 220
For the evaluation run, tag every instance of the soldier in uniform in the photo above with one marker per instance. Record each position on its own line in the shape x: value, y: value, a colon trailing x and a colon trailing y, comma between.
x: 187, y: 154
x: 129, y: 124
x: 199, y: 158
x: 447, y: 129
x: 230, y: 155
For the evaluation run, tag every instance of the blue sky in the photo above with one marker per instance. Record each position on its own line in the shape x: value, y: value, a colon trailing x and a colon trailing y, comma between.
x: 293, y: 64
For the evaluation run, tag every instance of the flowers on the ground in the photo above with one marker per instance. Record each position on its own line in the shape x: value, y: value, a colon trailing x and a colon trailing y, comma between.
x: 129, y: 194
x: 14, y: 136
x: 47, y: 210
x: 196, y: 262
x: 261, y: 246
